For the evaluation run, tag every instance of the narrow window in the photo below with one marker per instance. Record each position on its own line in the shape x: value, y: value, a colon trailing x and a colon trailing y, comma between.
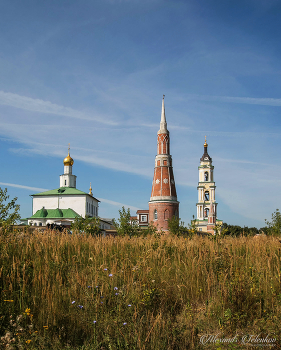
x: 206, y: 195
x: 206, y: 176
x: 166, y: 214
x: 206, y: 212
x: 65, y: 182
x: 155, y: 214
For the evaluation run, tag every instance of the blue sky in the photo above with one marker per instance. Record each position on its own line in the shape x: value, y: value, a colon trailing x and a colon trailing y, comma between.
x: 92, y: 74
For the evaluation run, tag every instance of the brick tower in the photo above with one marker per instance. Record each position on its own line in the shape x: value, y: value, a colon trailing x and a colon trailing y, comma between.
x: 163, y: 204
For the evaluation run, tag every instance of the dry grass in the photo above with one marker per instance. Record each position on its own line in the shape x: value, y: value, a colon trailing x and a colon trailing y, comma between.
x: 178, y: 289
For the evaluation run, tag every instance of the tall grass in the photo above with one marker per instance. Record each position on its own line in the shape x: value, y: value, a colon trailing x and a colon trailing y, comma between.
x: 143, y: 293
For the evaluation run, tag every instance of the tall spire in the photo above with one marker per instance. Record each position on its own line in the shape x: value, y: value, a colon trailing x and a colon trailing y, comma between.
x: 163, y: 204
x: 163, y: 123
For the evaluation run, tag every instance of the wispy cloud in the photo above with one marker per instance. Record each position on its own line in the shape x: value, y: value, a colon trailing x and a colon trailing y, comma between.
x: 117, y: 204
x: 41, y: 106
x: 23, y: 187
x: 244, y: 100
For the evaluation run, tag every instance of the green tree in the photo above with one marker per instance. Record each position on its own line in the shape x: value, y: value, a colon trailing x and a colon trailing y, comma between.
x: 274, y: 226
x: 176, y: 227
x: 126, y: 225
x: 89, y: 225
x: 9, y: 211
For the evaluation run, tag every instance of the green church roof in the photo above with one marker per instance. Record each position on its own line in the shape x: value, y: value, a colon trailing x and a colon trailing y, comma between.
x: 55, y: 214
x: 63, y: 191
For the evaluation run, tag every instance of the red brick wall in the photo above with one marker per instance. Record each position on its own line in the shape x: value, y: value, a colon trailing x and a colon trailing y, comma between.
x: 161, y: 222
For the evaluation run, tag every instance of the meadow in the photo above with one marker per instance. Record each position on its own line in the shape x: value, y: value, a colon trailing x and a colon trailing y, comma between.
x: 61, y: 291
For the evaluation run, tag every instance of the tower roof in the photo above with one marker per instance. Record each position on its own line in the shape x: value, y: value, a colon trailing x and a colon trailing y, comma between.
x: 205, y: 156
x: 163, y: 123
x: 68, y: 160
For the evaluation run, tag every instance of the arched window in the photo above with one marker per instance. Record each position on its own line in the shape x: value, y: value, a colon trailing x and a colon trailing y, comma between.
x: 206, y: 212
x: 207, y: 195
x: 65, y: 182
x: 206, y: 176
x: 155, y: 214
x: 166, y: 214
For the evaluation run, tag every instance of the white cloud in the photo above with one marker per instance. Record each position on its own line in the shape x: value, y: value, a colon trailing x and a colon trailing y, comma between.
x: 244, y: 100
x: 117, y: 204
x: 37, y: 105
x: 23, y: 187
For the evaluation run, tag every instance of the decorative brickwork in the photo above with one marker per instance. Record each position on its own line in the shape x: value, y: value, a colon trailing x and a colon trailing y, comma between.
x: 163, y: 203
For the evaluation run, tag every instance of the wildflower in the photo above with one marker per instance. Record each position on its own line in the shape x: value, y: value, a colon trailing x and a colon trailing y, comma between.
x: 116, y: 293
x: 101, y: 302
x: 124, y: 324
x: 129, y: 305
x: 101, y: 296
x: 73, y: 302
x: 9, y: 301
x: 89, y: 286
x: 104, y: 269
x: 94, y: 321
x: 110, y: 275
x: 46, y: 327
x: 97, y: 286
x: 28, y: 341
x: 80, y: 306
x: 115, y: 288
x: 27, y: 310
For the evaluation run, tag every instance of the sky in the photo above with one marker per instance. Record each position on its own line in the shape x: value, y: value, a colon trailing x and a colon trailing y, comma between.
x: 92, y: 73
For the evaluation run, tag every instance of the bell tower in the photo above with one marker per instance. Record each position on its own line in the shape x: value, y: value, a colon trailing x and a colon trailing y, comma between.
x: 206, y: 206
x: 163, y: 204
x: 67, y: 179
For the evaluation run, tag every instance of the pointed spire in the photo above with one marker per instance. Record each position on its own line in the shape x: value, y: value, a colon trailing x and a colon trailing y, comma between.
x: 90, y: 190
x: 163, y: 123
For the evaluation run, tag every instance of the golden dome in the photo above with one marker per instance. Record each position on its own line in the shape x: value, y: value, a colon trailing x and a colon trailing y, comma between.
x: 68, y: 160
x: 205, y: 144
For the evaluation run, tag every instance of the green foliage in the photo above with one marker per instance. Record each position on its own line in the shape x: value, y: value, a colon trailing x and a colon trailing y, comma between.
x: 274, y: 226
x: 9, y: 211
x: 176, y: 227
x: 89, y: 225
x: 125, y: 225
x: 237, y: 231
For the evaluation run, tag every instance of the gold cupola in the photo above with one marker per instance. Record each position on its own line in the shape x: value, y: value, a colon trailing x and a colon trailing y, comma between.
x: 205, y: 144
x: 68, y: 160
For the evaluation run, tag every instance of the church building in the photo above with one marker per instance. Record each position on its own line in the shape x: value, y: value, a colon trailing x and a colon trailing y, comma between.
x: 207, y: 205
x: 163, y: 204
x: 62, y: 205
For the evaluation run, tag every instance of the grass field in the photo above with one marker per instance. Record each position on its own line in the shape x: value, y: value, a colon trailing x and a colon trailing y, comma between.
x: 62, y: 291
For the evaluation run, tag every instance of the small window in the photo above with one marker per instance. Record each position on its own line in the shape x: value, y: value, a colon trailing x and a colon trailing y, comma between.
x: 158, y: 162
x: 40, y: 223
x: 206, y: 212
x: 143, y: 218
x: 206, y: 195
x: 166, y: 214
x: 165, y: 162
x: 206, y: 176
x: 65, y: 182
x: 200, y: 229
x: 155, y: 214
